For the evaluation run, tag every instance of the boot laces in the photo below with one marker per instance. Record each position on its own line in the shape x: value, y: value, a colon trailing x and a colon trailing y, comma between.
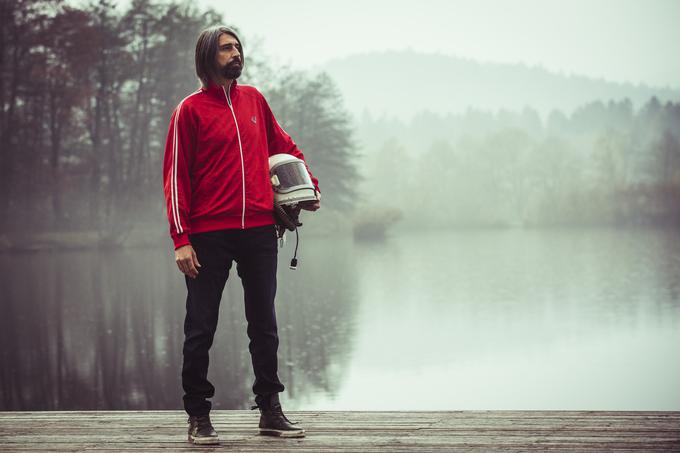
x: 201, y: 421
x: 276, y: 409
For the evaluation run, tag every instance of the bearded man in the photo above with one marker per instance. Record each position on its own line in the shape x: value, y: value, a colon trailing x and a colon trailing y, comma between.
x: 220, y: 209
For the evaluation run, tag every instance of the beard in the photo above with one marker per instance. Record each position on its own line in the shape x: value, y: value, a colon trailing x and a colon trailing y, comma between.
x: 233, y: 70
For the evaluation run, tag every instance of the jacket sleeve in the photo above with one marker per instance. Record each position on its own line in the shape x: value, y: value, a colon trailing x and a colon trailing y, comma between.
x: 179, y: 152
x: 279, y: 141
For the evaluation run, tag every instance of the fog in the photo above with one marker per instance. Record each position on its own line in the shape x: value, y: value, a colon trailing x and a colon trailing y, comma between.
x: 621, y: 41
x: 500, y: 203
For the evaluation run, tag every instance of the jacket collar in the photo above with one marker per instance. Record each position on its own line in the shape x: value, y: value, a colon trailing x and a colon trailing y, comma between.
x: 219, y: 92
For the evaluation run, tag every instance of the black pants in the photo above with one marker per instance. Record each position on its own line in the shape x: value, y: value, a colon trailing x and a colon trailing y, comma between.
x: 254, y: 251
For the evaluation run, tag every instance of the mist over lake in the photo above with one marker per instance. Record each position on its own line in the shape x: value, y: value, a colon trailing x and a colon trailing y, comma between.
x: 500, y: 221
x: 585, y: 319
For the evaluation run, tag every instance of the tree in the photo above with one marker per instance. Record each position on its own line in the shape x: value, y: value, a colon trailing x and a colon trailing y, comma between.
x: 311, y: 110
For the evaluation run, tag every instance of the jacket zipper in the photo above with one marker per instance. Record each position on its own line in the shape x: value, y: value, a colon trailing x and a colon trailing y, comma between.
x: 227, y: 92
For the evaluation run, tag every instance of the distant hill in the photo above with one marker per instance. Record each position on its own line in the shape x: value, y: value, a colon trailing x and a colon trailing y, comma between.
x: 400, y: 84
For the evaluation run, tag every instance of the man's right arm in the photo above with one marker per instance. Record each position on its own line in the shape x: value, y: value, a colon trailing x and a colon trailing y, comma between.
x: 179, y: 152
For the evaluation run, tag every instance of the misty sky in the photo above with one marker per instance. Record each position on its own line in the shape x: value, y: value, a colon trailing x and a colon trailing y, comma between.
x: 619, y: 40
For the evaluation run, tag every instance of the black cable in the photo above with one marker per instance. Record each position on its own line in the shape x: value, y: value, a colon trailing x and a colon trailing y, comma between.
x: 293, y: 262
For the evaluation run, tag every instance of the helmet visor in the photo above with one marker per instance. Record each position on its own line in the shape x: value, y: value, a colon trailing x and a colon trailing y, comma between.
x: 292, y: 176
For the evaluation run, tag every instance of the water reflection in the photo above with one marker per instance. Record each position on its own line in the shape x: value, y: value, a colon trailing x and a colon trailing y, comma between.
x: 103, y: 330
x: 560, y: 319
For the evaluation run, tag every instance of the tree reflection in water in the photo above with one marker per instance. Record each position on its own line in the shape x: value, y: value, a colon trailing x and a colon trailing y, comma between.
x: 103, y: 330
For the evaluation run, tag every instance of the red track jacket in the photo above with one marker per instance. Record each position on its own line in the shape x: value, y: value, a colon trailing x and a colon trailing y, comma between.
x: 216, y: 168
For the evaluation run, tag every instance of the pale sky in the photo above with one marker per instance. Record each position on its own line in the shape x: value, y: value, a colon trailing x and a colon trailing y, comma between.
x: 636, y: 41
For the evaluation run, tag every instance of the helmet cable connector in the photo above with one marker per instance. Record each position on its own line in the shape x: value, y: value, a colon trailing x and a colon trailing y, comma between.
x: 294, y: 261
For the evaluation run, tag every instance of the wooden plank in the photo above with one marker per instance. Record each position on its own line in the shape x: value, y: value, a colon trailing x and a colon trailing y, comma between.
x: 572, y: 431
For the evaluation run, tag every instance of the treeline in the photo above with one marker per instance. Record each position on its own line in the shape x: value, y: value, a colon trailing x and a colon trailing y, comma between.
x: 86, y: 96
x: 606, y: 164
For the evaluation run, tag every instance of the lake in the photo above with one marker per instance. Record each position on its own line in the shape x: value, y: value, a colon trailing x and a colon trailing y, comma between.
x: 573, y: 319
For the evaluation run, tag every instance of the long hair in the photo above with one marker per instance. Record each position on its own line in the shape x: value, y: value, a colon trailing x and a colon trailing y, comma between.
x: 206, y: 49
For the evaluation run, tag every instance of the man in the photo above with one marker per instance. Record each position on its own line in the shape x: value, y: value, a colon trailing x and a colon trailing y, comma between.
x: 220, y: 208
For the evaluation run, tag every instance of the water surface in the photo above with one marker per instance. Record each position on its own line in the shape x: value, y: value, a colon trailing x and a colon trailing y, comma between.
x: 452, y: 320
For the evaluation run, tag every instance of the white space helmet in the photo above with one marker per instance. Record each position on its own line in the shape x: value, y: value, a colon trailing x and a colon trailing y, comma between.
x: 290, y: 180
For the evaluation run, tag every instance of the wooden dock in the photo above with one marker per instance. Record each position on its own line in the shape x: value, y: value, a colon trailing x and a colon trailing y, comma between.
x: 363, y: 432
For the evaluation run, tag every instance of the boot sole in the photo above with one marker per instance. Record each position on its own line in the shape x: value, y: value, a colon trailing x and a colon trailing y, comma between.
x: 280, y: 433
x: 204, y: 440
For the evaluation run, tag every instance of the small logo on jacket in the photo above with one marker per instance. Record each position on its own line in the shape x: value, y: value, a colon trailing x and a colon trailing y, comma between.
x: 253, y: 119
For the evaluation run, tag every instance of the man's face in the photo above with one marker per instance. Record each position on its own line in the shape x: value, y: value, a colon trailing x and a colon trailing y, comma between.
x: 228, y: 57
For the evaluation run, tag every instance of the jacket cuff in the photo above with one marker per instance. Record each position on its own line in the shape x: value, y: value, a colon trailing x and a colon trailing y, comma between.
x: 181, y: 240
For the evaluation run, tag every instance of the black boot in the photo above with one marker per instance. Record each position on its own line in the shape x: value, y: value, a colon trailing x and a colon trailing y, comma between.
x: 272, y: 420
x: 201, y: 430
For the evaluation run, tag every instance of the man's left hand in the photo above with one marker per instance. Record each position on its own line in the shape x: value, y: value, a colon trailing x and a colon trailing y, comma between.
x: 311, y: 205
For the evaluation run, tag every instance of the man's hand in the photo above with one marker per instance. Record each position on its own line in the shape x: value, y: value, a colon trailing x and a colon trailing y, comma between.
x: 311, y: 205
x: 187, y: 261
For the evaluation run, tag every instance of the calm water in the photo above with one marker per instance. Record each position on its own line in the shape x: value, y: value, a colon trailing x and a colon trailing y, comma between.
x: 561, y: 319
